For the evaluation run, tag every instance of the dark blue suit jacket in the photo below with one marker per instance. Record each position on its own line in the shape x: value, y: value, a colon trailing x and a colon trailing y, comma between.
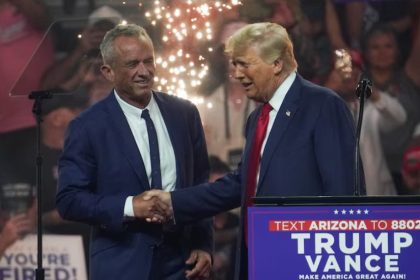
x: 309, y: 152
x: 101, y: 165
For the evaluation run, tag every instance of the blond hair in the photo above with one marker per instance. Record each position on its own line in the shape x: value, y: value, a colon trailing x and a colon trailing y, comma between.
x: 270, y: 39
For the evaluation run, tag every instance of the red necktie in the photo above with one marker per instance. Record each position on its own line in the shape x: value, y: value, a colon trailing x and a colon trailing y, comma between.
x: 254, y: 159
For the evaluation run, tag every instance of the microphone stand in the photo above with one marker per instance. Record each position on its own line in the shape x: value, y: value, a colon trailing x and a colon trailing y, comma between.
x: 38, y: 96
x: 363, y: 91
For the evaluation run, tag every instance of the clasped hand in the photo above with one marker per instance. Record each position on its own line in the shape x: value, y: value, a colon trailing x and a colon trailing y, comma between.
x: 154, y: 206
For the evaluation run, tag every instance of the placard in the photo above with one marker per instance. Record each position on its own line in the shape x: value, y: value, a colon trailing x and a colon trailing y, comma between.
x: 334, y: 242
x: 63, y: 258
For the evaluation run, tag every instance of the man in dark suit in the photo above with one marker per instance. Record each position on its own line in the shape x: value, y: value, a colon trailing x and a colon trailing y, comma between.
x: 299, y: 142
x: 134, y: 140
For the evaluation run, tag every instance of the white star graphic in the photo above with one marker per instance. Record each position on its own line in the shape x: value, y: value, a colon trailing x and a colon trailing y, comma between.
x: 359, y: 211
x: 336, y: 212
x: 343, y: 212
x: 351, y: 211
x: 366, y: 211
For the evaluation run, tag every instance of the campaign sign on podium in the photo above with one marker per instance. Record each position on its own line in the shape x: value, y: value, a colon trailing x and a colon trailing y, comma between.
x: 334, y: 242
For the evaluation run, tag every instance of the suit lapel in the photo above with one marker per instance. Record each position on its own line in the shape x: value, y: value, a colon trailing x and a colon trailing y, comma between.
x: 128, y: 144
x: 284, y: 116
x: 250, y: 137
x: 172, y: 123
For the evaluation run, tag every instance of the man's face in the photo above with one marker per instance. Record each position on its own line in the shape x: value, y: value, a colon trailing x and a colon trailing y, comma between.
x: 132, y: 70
x: 258, y: 78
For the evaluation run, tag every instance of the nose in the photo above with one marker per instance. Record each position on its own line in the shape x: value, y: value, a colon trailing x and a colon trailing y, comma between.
x: 142, y: 69
x: 237, y: 73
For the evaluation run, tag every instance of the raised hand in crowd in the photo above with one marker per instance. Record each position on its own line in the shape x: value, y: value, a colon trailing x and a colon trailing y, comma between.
x: 68, y: 73
x: 15, y: 228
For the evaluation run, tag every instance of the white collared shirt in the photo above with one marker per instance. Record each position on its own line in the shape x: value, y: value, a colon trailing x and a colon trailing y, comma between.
x: 166, y: 152
x: 275, y: 103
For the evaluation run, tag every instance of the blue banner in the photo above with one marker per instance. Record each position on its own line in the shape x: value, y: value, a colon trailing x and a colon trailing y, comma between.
x: 334, y: 242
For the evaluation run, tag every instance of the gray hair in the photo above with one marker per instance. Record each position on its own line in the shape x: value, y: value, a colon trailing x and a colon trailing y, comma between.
x: 271, y: 40
x: 127, y: 30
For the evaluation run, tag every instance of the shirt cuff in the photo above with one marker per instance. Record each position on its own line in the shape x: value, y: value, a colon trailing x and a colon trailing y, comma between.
x: 128, y: 207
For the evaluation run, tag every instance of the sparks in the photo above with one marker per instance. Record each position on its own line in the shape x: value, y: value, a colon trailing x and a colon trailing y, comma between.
x: 186, y: 28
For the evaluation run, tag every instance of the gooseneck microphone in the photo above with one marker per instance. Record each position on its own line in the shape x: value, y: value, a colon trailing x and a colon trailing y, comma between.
x: 364, y: 87
x: 363, y: 92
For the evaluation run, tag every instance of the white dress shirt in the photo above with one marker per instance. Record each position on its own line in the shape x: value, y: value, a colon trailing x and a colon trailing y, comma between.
x: 166, y: 152
x: 275, y: 103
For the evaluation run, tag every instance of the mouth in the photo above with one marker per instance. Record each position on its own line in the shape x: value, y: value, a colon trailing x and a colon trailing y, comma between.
x: 142, y: 82
x: 246, y: 86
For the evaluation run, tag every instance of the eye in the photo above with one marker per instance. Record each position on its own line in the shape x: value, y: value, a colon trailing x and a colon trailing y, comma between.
x: 132, y: 64
x: 149, y: 61
x: 241, y: 64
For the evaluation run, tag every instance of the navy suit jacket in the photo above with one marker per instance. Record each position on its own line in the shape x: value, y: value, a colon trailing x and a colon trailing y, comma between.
x: 101, y: 165
x: 309, y: 152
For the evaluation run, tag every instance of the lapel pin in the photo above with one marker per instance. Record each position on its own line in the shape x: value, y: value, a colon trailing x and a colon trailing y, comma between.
x: 288, y: 113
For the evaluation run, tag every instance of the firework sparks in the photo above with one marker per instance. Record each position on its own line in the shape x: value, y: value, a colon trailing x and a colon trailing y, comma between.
x: 186, y: 25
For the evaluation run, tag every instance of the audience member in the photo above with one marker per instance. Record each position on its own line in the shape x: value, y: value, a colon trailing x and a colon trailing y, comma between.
x: 345, y: 23
x: 22, y: 27
x: 381, y: 53
x: 311, y: 45
x: 398, y: 14
x: 69, y: 73
x: 285, y: 12
x: 13, y: 228
x: 24, y: 56
x: 58, y: 112
x: 226, y: 227
x: 411, y: 164
x: 382, y: 113
x: 225, y: 111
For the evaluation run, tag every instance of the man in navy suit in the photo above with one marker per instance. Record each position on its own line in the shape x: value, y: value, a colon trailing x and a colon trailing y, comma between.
x: 299, y: 142
x: 134, y: 140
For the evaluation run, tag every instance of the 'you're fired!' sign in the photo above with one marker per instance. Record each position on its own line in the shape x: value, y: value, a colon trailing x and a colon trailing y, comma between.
x: 63, y: 258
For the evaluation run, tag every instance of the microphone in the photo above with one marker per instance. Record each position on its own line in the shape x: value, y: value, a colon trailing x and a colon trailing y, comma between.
x: 364, y: 88
x: 363, y: 91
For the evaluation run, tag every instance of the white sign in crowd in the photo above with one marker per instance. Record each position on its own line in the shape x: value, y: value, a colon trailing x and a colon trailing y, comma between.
x: 63, y: 258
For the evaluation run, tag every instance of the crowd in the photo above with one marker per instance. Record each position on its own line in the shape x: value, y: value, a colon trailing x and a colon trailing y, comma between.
x: 336, y: 43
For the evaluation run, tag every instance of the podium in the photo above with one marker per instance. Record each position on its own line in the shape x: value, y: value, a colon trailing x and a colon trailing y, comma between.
x: 366, y: 237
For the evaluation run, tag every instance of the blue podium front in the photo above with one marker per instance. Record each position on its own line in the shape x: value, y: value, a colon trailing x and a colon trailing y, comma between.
x: 334, y: 241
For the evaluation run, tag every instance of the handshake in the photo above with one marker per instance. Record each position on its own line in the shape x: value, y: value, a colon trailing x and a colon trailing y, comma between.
x: 154, y: 206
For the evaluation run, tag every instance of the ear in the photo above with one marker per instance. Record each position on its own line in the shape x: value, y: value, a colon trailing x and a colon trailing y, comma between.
x: 278, y: 66
x: 108, y: 73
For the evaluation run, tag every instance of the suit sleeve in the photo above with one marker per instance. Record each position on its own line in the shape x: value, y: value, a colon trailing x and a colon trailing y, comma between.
x: 334, y: 142
x: 76, y: 198
x: 207, y: 200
